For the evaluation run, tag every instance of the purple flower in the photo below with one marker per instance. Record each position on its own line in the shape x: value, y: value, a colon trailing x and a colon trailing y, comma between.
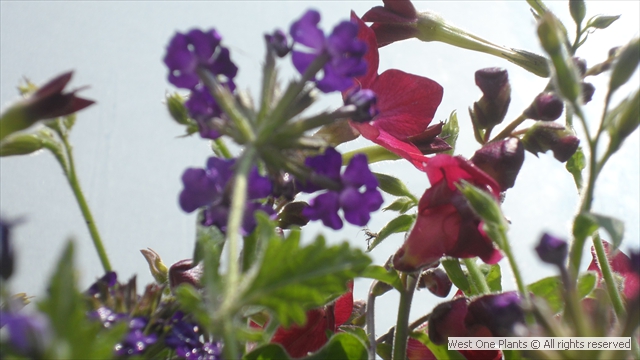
x: 6, y: 250
x: 106, y: 316
x: 184, y: 338
x: 343, y: 49
x: 135, y: 342
x: 547, y: 106
x: 186, y: 53
x: 552, y: 250
x: 357, y: 195
x: 107, y: 281
x: 29, y: 335
x: 365, y: 101
x: 277, y: 42
x: 208, y: 188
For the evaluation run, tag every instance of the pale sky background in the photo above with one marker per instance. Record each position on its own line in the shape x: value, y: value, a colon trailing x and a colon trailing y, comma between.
x: 130, y: 158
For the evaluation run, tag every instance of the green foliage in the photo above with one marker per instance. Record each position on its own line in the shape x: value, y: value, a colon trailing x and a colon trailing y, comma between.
x: 393, y: 186
x: 550, y: 289
x: 450, y: 132
x: 456, y: 274
x: 586, y: 224
x: 375, y: 153
x: 400, y: 224
x: 75, y: 336
x: 291, y: 278
x: 344, y: 346
x: 575, y: 165
x: 493, y: 276
x: 401, y: 205
x: 381, y: 274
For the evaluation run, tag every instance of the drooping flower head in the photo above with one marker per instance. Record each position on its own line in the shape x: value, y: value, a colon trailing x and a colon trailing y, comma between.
x: 208, y: 188
x: 186, y: 55
x: 343, y: 50
x: 446, y: 225
x: 357, y: 195
x: 406, y: 104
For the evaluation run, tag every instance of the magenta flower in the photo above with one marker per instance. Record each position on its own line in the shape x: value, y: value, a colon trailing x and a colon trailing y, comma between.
x: 446, y: 225
x: 342, y: 47
x: 406, y: 105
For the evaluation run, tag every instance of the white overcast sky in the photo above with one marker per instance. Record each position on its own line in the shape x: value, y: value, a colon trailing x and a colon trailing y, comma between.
x: 130, y: 159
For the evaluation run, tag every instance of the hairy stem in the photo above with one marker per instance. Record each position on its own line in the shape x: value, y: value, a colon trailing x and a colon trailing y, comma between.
x: 476, y: 276
x: 402, y: 325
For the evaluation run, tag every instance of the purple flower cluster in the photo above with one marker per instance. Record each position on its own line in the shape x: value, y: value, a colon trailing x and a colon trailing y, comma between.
x: 135, y: 342
x: 357, y: 196
x: 343, y: 48
x: 184, y: 338
x: 210, y: 188
x: 29, y: 334
x: 186, y: 53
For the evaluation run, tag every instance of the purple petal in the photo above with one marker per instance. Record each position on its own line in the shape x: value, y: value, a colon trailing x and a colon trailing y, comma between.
x: 357, y: 206
x: 259, y: 186
x: 199, y: 189
x: 203, y: 47
x: 302, y: 60
x: 223, y: 65
x: 357, y: 173
x: 325, y: 207
x: 305, y: 31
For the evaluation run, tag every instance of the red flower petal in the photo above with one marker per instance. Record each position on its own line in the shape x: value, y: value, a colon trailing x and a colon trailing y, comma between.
x: 621, y: 264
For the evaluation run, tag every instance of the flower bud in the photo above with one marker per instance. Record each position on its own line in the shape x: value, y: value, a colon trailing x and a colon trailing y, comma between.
x: 20, y: 144
x: 544, y: 136
x: 602, y: 21
x: 587, y: 91
x: 581, y: 65
x: 436, y: 281
x: 7, y: 256
x: 447, y: 319
x: 625, y: 65
x: 546, y: 107
x: 48, y: 102
x: 177, y: 110
x: 501, y: 160
x: 500, y: 313
x: 291, y: 215
x: 365, y: 101
x: 109, y: 280
x: 277, y: 42
x: 552, y: 250
x: 184, y: 272
x: 156, y: 266
x: 625, y: 121
x: 491, y: 109
x: 578, y: 10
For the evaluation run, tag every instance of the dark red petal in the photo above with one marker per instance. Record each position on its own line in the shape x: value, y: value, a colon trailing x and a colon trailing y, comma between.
x: 403, y: 8
x: 344, y: 307
x: 55, y: 85
x: 621, y: 264
x: 407, y: 102
x: 371, y: 57
x: 390, y: 33
x: 300, y: 340
x: 418, y: 351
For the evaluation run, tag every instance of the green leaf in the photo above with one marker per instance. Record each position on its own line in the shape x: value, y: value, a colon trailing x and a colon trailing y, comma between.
x: 584, y: 225
x: 450, y: 132
x: 342, y: 346
x: 586, y: 283
x: 401, y: 205
x: 602, y: 21
x: 393, y: 186
x: 550, y: 289
x: 400, y: 224
x: 291, y: 278
x: 379, y: 273
x: 578, y: 10
x: 375, y: 153
x: 493, y: 275
x: 613, y: 226
x: 575, y: 165
x: 384, y: 351
x: 207, y: 235
x: 456, y: 274
x: 441, y: 352
x: 192, y: 302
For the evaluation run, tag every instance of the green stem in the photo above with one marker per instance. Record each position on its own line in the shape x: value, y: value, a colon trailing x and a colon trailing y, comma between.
x: 371, y: 322
x: 476, y: 276
x: 72, y: 177
x: 522, y: 288
x: 607, y: 274
x: 510, y: 128
x: 218, y: 146
x: 402, y: 325
x: 230, y: 349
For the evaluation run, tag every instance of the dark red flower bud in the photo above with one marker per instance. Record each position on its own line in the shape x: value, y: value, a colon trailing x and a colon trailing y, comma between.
x: 491, y: 109
x: 184, y: 271
x: 544, y: 136
x: 428, y: 141
x: 581, y: 65
x: 501, y: 160
x: 546, y: 107
x: 587, y: 91
x: 396, y: 21
x: 500, y: 313
x: 447, y: 319
x: 552, y: 250
x: 277, y: 42
x: 436, y: 281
